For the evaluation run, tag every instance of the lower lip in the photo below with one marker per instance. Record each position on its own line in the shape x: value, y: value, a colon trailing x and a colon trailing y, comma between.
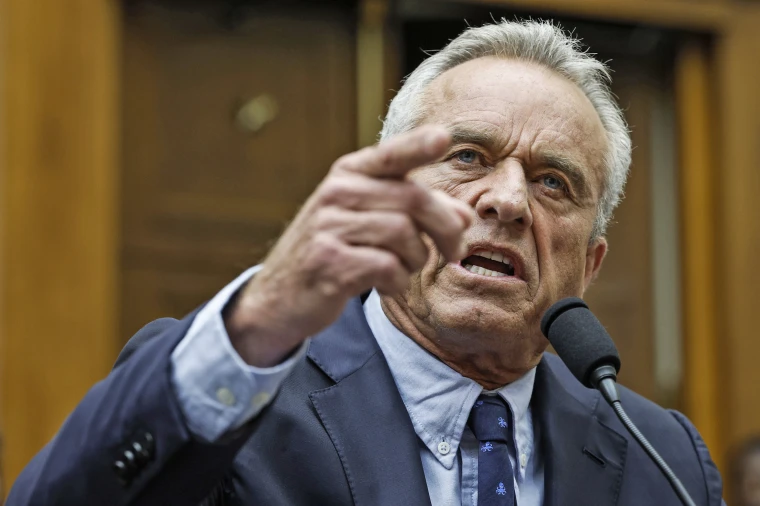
x: 495, y: 279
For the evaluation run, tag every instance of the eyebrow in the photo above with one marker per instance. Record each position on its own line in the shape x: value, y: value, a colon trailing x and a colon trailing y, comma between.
x: 460, y: 135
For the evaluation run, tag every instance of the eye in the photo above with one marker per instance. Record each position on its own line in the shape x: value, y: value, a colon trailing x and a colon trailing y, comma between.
x: 553, y: 182
x: 467, y: 156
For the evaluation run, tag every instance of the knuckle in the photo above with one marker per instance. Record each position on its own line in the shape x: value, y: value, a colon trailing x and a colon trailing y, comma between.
x: 385, y: 157
x: 351, y: 162
x: 333, y: 190
x: 324, y: 218
x: 342, y: 191
x: 325, y: 247
x: 344, y: 163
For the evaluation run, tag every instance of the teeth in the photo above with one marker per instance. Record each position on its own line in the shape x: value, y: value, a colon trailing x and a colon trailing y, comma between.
x: 495, y: 274
x: 483, y: 271
x: 493, y: 255
x: 496, y: 257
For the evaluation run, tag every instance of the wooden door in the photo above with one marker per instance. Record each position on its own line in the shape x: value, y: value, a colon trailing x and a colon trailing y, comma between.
x: 231, y: 118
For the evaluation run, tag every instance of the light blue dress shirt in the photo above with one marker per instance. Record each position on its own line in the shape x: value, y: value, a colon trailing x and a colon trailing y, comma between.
x: 218, y: 392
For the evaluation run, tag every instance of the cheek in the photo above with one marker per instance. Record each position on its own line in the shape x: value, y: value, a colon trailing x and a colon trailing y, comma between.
x: 561, y: 245
x: 567, y: 243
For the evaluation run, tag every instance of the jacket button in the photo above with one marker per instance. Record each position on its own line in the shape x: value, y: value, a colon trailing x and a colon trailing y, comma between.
x: 130, y: 458
x: 149, y: 444
x: 123, y: 472
x: 121, y: 469
x: 140, y: 453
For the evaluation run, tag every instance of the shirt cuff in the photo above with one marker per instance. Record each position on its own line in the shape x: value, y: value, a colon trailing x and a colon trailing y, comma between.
x: 217, y: 391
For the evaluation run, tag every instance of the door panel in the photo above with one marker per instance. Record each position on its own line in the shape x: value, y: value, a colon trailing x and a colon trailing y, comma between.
x: 230, y: 121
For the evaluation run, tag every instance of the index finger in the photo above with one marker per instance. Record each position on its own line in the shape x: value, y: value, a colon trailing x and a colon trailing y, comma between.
x: 398, y: 155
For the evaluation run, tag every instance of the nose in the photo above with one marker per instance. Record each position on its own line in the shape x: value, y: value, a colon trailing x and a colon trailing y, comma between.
x: 504, y: 196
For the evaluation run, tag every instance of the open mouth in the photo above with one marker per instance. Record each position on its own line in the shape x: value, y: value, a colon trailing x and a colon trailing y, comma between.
x: 489, y: 263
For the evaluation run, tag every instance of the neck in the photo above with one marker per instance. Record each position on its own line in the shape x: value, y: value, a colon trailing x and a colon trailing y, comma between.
x: 490, y: 362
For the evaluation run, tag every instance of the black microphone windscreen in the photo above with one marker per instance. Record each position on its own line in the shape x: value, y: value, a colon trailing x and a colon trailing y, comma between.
x: 579, y: 338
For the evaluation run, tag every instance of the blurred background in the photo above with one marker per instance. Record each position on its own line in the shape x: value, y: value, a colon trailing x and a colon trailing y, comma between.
x: 150, y: 150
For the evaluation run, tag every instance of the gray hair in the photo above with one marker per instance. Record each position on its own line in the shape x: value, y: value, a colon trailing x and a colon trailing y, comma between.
x: 542, y: 43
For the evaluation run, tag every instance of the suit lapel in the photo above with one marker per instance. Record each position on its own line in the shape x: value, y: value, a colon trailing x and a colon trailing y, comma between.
x: 365, y: 417
x: 584, y: 459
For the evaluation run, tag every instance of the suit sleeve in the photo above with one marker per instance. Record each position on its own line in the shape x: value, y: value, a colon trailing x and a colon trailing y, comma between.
x: 127, y: 430
x: 713, y: 481
x: 164, y: 426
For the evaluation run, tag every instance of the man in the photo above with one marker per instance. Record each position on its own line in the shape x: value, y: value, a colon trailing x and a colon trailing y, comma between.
x: 388, y: 351
x: 745, y: 473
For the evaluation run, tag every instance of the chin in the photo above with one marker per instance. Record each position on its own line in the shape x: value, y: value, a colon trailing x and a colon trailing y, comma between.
x: 472, y: 317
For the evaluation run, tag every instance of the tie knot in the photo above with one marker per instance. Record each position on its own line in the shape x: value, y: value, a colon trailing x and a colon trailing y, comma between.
x: 491, y: 419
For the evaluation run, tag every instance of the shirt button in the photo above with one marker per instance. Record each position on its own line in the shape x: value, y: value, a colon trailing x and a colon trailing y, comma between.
x: 523, y: 460
x: 225, y: 396
x: 260, y: 399
x: 444, y: 448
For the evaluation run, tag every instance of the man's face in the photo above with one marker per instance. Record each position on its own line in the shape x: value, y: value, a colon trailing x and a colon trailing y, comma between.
x: 527, y: 155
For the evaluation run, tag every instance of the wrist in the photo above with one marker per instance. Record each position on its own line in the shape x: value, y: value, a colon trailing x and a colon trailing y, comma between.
x: 251, y: 333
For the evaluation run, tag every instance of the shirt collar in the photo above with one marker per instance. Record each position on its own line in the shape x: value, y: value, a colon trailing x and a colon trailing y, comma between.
x: 437, y: 398
x: 517, y: 394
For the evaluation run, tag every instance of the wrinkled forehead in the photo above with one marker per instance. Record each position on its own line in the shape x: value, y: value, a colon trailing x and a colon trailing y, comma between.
x: 519, y: 104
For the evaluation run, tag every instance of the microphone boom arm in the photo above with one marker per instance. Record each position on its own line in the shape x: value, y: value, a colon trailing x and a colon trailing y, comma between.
x: 584, y: 345
x: 605, y: 383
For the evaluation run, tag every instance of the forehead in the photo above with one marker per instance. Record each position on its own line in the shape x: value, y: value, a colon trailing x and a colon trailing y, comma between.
x: 523, y: 107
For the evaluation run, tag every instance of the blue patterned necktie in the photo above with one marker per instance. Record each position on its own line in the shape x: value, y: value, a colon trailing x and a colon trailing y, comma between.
x: 491, y: 422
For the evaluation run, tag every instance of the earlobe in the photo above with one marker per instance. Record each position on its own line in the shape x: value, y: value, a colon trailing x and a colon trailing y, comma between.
x: 595, y: 254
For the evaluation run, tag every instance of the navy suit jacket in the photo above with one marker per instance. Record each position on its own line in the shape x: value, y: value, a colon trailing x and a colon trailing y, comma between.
x: 338, y: 434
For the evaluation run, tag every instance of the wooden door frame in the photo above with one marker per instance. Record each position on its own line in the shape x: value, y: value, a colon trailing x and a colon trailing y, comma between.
x: 59, y: 211
x: 59, y: 269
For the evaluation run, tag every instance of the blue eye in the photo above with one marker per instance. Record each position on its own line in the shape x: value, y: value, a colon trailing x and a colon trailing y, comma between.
x: 467, y: 156
x: 553, y: 183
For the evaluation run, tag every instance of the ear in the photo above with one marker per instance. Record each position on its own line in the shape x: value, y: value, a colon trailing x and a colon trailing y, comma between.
x: 595, y: 253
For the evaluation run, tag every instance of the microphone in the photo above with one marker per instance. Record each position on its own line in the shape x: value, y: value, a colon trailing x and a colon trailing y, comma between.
x: 584, y: 345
